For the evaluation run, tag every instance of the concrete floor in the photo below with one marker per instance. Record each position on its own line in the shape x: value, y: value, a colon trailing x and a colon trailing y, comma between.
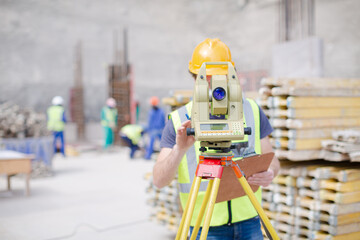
x: 94, y: 196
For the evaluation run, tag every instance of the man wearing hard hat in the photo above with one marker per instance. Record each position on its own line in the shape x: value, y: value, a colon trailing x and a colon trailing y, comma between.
x: 56, y: 122
x: 156, y: 123
x: 236, y: 218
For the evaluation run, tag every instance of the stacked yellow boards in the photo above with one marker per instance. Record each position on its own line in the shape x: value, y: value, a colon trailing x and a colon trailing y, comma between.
x: 310, y: 199
x: 306, y: 111
x: 315, y: 201
x: 165, y: 205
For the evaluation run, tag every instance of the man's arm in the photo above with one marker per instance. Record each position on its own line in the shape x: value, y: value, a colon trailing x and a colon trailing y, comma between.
x: 169, y: 158
x: 265, y: 178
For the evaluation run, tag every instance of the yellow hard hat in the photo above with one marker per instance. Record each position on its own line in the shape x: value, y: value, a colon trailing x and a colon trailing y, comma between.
x: 210, y: 50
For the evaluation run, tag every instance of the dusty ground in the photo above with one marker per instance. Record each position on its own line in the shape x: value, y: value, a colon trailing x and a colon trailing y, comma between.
x: 96, y: 195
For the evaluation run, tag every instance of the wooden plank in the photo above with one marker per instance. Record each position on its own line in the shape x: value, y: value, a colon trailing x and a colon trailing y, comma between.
x: 348, y: 135
x: 278, y: 122
x: 309, y: 224
x: 289, y: 209
x: 354, y: 235
x: 301, y: 212
x: 331, y: 208
x: 330, y: 184
x: 309, y: 193
x: 319, y: 92
x: 341, y: 174
x: 264, y: 92
x: 284, y: 199
x: 299, y: 144
x: 322, y: 123
x: 313, y: 113
x: 342, y: 229
x: 343, y: 198
x: 355, y: 156
x: 334, y: 156
x: 342, y: 147
x: 337, y: 220
x: 317, y: 102
x: 305, y: 133
x: 285, y: 180
x: 311, y: 82
x: 298, y: 155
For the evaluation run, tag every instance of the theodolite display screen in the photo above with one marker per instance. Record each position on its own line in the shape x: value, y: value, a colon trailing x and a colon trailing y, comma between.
x: 215, y: 126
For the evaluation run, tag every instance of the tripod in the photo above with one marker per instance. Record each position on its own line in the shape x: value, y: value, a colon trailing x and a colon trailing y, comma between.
x: 211, y: 167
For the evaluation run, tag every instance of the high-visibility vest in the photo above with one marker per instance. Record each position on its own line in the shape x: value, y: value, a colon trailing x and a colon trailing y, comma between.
x: 133, y: 132
x: 241, y: 208
x: 109, y: 116
x: 55, y: 118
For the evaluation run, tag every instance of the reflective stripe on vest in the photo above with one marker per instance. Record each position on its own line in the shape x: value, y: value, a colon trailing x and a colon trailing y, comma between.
x: 241, y: 207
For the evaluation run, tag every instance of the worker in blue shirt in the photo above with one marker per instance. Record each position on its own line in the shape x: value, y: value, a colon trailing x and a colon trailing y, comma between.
x: 56, y: 122
x: 156, y: 123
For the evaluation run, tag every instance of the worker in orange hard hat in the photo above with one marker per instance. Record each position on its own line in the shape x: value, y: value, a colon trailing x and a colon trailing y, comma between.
x: 156, y: 123
x: 237, y: 218
x: 109, y: 117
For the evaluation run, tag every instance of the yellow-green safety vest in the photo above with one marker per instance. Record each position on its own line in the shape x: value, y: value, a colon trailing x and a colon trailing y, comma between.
x: 241, y: 208
x: 55, y: 118
x: 109, y: 117
x: 133, y: 132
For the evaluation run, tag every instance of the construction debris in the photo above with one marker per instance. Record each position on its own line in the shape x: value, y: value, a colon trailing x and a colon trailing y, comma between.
x: 344, y: 146
x: 16, y: 122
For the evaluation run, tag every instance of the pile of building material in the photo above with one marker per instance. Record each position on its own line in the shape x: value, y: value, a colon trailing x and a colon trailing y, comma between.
x: 16, y: 122
x: 305, y: 112
x: 178, y: 98
x: 165, y: 204
x: 344, y: 146
x: 316, y: 201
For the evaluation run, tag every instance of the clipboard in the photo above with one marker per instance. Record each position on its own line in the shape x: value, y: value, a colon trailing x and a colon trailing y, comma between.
x: 230, y: 186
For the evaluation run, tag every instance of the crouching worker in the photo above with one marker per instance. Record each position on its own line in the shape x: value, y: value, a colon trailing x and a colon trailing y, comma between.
x: 132, y: 134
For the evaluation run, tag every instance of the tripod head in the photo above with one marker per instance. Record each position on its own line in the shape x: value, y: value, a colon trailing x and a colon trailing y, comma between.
x: 223, y: 100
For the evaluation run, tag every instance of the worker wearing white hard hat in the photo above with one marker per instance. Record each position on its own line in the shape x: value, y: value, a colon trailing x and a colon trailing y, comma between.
x: 56, y: 122
x: 109, y: 117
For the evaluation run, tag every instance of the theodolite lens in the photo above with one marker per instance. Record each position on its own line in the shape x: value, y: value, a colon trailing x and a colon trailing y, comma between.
x: 219, y: 93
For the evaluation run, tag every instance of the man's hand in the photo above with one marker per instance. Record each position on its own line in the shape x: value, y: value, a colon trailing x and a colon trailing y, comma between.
x: 263, y: 179
x: 183, y: 141
x: 169, y: 158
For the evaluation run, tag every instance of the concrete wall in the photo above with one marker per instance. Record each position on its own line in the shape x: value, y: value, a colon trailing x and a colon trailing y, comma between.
x: 38, y: 38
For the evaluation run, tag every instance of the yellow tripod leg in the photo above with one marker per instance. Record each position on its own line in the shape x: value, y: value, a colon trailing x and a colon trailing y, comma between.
x: 258, y: 207
x: 189, y: 211
x: 202, y: 210
x: 210, y: 209
x: 178, y: 235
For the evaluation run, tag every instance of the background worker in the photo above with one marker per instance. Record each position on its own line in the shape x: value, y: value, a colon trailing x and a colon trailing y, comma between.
x: 56, y: 122
x: 109, y: 117
x: 131, y: 134
x: 235, y: 219
x: 156, y: 123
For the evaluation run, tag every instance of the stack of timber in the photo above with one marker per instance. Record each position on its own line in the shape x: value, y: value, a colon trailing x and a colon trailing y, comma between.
x: 17, y: 122
x: 178, y: 98
x: 304, y: 112
x: 315, y: 201
x: 165, y: 204
x: 344, y: 146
